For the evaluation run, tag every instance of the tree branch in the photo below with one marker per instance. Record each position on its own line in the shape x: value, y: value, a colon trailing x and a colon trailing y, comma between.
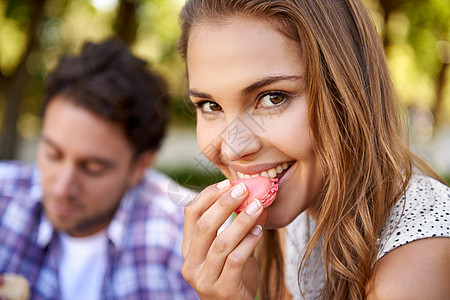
x: 36, y: 12
x: 2, y: 77
x: 125, y: 24
x: 14, y: 90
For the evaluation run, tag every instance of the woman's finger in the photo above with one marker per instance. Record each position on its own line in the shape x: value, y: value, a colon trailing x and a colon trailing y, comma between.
x: 232, y: 284
x: 239, y: 259
x: 205, y: 230
x: 240, y: 276
x: 196, y: 208
x: 230, y: 238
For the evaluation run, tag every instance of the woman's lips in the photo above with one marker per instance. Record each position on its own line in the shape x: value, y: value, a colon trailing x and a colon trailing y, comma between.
x: 285, y: 176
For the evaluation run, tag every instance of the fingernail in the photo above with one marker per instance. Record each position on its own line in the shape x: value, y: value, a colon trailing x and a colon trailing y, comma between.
x: 223, y: 184
x: 256, y: 230
x: 238, y: 191
x: 253, y: 207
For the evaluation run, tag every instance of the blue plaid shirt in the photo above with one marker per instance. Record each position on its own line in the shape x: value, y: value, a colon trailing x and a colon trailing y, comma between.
x: 144, y: 238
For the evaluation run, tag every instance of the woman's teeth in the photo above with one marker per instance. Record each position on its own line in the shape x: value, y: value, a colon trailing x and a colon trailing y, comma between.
x: 271, y: 173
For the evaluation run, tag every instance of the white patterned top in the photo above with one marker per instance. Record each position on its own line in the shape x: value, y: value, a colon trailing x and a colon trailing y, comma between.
x: 424, y: 212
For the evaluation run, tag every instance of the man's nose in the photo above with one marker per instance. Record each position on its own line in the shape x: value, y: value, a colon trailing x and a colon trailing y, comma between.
x: 239, y: 139
x: 65, y: 183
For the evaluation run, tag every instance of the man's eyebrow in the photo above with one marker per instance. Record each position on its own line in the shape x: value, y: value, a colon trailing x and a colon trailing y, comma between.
x: 266, y: 81
x: 49, y: 141
x: 107, y: 163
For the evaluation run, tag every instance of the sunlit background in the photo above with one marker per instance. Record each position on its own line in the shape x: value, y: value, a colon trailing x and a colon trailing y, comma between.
x: 34, y: 34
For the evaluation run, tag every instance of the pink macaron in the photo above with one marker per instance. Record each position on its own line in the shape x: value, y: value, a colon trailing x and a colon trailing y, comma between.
x: 262, y: 188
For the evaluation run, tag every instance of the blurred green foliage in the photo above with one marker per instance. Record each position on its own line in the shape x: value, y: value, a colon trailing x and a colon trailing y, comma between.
x: 194, y: 178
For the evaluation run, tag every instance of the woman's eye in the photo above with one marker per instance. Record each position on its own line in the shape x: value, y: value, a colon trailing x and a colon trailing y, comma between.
x: 271, y: 99
x: 208, y: 106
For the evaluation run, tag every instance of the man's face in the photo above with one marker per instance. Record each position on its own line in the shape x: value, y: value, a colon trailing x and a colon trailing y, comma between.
x: 86, y: 165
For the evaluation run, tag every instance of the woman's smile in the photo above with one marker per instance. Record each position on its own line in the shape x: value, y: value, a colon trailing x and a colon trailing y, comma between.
x: 277, y: 171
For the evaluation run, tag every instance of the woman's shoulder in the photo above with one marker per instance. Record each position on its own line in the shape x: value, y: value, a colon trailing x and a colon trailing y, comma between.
x: 414, y: 247
x: 425, y: 187
x: 423, y: 212
x: 417, y: 270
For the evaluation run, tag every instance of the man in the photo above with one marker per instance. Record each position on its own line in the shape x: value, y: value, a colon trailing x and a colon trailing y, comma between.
x: 90, y: 221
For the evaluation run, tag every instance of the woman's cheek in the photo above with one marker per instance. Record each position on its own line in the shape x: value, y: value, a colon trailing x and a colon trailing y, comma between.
x: 295, y: 137
x: 208, y: 140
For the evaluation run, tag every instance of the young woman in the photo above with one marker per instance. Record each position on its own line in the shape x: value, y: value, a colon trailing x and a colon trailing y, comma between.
x: 300, y: 90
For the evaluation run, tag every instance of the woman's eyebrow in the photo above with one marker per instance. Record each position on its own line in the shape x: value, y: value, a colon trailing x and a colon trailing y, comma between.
x: 197, y: 94
x: 266, y: 81
x: 254, y: 86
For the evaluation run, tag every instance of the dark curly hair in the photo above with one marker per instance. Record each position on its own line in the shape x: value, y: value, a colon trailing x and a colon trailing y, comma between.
x: 107, y: 80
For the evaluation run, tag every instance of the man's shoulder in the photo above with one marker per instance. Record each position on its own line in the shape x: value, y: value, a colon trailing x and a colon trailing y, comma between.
x: 164, y: 190
x: 155, y: 210
x: 11, y: 168
x: 16, y: 177
x: 19, y: 208
x: 163, y: 195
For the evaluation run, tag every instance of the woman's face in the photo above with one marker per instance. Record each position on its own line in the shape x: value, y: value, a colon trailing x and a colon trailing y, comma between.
x: 247, y: 81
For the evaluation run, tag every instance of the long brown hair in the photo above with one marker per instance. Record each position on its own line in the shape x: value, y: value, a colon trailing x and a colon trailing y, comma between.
x: 356, y: 121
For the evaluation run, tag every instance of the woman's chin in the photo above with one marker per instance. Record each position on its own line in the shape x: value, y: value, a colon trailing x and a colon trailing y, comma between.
x: 275, y: 220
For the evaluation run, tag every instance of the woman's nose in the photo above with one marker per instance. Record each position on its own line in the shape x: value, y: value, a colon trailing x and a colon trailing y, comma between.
x: 239, y: 139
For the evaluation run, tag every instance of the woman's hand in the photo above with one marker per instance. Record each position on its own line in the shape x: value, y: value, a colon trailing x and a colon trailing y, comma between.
x: 222, y: 266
